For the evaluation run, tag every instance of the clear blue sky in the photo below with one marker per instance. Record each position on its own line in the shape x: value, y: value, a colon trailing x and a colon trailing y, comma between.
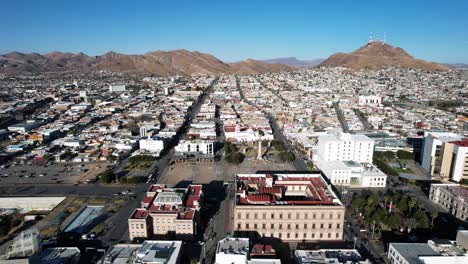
x: 235, y: 30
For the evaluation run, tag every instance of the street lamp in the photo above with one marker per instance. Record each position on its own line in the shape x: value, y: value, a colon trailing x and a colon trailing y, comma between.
x: 355, y: 239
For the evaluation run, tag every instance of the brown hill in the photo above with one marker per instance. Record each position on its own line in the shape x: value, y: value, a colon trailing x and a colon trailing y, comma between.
x: 161, y: 63
x: 376, y: 55
x: 250, y: 66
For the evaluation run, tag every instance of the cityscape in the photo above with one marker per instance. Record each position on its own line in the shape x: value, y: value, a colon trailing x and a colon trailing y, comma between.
x: 180, y: 156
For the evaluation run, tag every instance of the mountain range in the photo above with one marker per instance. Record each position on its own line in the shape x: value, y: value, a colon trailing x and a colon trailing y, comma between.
x: 376, y: 55
x: 159, y: 63
x: 373, y: 55
x: 294, y: 62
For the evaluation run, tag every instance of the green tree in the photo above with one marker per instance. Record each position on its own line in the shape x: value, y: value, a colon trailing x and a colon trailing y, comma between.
x: 403, y: 204
x: 411, y: 203
x: 404, y: 155
x: 234, y: 158
x: 394, y: 221
x: 107, y: 176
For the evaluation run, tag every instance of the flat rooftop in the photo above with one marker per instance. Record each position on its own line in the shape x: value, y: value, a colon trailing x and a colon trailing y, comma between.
x: 234, y: 246
x: 412, y: 251
x: 284, y: 189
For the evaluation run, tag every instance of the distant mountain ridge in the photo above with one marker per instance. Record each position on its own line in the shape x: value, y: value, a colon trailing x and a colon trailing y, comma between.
x: 456, y: 65
x: 160, y: 63
x: 294, y: 62
x: 376, y: 55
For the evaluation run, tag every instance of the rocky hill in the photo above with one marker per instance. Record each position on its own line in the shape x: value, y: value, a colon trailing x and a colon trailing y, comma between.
x: 159, y: 63
x: 376, y: 55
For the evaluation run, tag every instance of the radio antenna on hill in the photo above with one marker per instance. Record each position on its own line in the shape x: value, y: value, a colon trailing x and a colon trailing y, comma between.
x: 377, y: 37
x: 371, y: 39
x: 384, y: 38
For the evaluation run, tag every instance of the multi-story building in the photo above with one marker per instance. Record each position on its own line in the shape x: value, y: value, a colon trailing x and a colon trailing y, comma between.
x: 167, y: 212
x: 346, y: 159
x: 445, y: 154
x: 345, y: 146
x: 292, y: 207
x: 371, y: 100
x: 195, y: 147
x: 452, y: 197
x: 153, y: 145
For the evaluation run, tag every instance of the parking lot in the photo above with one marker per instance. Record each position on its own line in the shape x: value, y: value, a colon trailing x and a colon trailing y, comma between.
x: 50, y: 174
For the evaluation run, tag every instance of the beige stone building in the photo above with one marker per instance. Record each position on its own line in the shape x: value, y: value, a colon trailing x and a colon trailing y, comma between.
x: 453, y: 197
x: 167, y: 212
x: 292, y: 207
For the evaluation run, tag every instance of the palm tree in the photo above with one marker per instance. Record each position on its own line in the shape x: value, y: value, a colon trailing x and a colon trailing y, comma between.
x: 386, y: 199
x: 421, y: 205
x: 411, y: 203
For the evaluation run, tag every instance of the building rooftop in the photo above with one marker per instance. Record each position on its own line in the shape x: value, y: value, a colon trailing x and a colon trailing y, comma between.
x: 412, y: 251
x: 151, y: 251
x: 161, y: 200
x: 56, y: 256
x: 233, y: 246
x: 284, y: 189
x: 328, y: 256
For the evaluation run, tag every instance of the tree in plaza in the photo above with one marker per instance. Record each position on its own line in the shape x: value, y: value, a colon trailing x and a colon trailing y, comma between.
x: 434, y: 215
x: 411, y: 203
x: 422, y: 219
x: 403, y: 204
x: 421, y: 205
x: 394, y: 221
x: 404, y: 155
x: 358, y: 203
x: 396, y: 197
x: 386, y: 199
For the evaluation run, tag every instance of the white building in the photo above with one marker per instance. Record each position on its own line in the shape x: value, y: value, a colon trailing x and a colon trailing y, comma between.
x: 452, y: 197
x: 232, y: 251
x: 345, y: 146
x: 153, y: 145
x: 371, y: 100
x: 346, y: 159
x: 195, y: 147
x: 117, y: 87
x: 353, y: 174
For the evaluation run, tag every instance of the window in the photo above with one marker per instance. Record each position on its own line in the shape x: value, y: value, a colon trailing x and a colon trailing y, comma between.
x: 313, y: 235
x: 247, y: 226
x: 255, y: 226
x: 247, y: 215
x: 331, y: 216
x: 323, y: 216
x: 280, y: 235
x: 305, y: 226
x: 238, y: 226
x: 272, y: 226
x: 313, y: 226
x: 321, y: 225
x: 297, y: 216
x: 337, y: 235
x: 305, y: 235
x: 329, y: 226
x: 272, y: 216
x: 263, y: 226
x: 287, y: 235
x: 313, y: 216
x: 338, y: 225
x: 289, y: 216
x: 255, y: 216
x: 280, y: 226
x: 281, y: 216
x: 297, y: 226
x: 329, y: 235
x: 264, y: 216
x: 321, y: 235
x: 296, y: 235
x: 239, y: 216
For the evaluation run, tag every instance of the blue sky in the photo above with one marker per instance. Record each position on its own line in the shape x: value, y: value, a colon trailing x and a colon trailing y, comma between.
x: 235, y: 30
